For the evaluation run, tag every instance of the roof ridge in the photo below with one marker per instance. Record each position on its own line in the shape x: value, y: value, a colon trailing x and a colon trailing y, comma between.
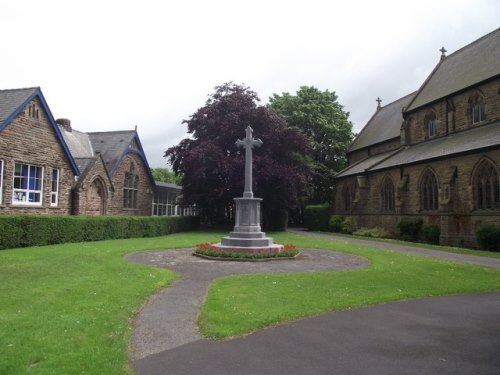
x: 21, y: 89
x: 113, y: 131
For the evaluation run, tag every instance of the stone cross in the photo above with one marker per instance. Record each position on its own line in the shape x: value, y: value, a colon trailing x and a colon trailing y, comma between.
x: 248, y: 144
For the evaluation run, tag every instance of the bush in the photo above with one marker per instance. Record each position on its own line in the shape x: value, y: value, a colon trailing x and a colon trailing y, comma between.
x: 488, y: 237
x: 316, y: 217
x: 335, y: 223
x: 431, y: 233
x: 373, y: 232
x: 348, y: 225
x: 410, y: 229
x: 40, y: 230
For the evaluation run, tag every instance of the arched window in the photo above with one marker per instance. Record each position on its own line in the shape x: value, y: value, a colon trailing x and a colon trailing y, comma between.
x: 486, y: 186
x: 130, y: 188
x: 477, y: 109
x: 430, y: 125
x: 387, y: 194
x: 429, y: 191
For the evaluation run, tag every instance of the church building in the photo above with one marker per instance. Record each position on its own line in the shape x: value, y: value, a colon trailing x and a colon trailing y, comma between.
x: 433, y: 154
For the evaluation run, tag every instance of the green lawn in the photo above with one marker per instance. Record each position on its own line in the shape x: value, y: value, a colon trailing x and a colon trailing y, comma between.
x: 242, y: 303
x: 67, y: 309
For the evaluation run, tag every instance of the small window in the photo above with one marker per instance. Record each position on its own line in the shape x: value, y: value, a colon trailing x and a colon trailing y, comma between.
x: 28, y: 185
x: 429, y: 192
x: 54, y: 183
x: 431, y: 125
x: 1, y: 180
x: 477, y: 109
x: 387, y: 195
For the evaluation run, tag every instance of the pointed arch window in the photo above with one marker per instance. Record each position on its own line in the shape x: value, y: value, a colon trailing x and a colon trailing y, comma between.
x: 486, y: 187
x: 431, y: 125
x: 130, y: 188
x: 429, y: 192
x: 477, y: 109
x: 387, y: 195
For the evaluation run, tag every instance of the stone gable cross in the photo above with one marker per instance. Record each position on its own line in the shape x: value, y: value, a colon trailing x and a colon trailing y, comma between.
x: 248, y: 144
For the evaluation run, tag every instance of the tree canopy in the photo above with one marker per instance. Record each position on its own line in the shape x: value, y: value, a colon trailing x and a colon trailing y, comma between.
x: 165, y: 175
x: 212, y: 167
x: 323, y: 120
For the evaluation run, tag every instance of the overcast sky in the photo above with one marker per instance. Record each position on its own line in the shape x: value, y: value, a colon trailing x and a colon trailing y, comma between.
x: 110, y: 65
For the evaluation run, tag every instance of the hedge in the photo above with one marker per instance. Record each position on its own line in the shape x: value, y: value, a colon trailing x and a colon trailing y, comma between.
x: 39, y: 230
x: 316, y: 217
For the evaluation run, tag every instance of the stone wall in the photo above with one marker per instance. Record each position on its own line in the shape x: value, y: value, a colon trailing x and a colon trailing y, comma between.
x: 145, y: 190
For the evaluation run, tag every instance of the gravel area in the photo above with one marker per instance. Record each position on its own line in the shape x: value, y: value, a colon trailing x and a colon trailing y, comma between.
x: 168, y: 319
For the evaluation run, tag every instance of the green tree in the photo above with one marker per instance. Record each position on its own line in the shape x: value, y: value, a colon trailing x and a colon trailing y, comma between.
x: 165, y: 175
x: 323, y: 120
x: 212, y: 166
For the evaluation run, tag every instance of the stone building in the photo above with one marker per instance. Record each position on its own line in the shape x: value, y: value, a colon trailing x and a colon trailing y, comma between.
x: 433, y: 154
x: 46, y: 167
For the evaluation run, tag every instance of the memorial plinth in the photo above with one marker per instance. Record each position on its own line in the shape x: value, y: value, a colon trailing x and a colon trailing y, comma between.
x: 247, y: 235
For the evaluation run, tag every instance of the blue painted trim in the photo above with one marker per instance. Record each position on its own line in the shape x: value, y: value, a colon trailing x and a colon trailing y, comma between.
x: 38, y: 93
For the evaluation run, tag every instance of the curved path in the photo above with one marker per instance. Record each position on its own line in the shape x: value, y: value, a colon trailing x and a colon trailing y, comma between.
x: 168, y: 319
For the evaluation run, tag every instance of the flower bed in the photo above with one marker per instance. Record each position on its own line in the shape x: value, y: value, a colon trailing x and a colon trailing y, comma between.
x: 210, y: 249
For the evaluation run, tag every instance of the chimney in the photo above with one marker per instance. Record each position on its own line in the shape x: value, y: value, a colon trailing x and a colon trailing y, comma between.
x: 65, y: 123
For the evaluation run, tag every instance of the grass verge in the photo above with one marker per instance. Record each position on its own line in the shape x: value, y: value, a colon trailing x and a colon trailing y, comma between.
x: 242, y: 303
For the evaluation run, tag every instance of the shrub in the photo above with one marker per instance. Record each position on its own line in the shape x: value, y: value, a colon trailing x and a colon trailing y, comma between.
x: 335, y: 223
x: 488, y: 237
x: 373, y: 232
x: 410, y: 229
x: 348, y: 225
x: 316, y: 217
x: 40, y: 230
x: 431, y: 233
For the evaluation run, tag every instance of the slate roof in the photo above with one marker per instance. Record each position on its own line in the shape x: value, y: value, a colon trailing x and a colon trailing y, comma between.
x: 365, y: 164
x: 482, y: 137
x: 384, y: 125
x: 11, y: 100
x: 470, y: 65
x: 83, y: 163
x: 78, y: 143
x: 167, y: 185
x: 473, y: 139
x: 112, y: 146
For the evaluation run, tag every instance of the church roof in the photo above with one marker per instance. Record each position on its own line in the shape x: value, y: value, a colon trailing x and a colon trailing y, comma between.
x: 453, y: 144
x: 470, y: 65
x: 384, y: 125
x: 482, y: 137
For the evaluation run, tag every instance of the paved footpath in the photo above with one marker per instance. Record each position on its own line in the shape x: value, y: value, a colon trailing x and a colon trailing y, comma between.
x: 445, y: 335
